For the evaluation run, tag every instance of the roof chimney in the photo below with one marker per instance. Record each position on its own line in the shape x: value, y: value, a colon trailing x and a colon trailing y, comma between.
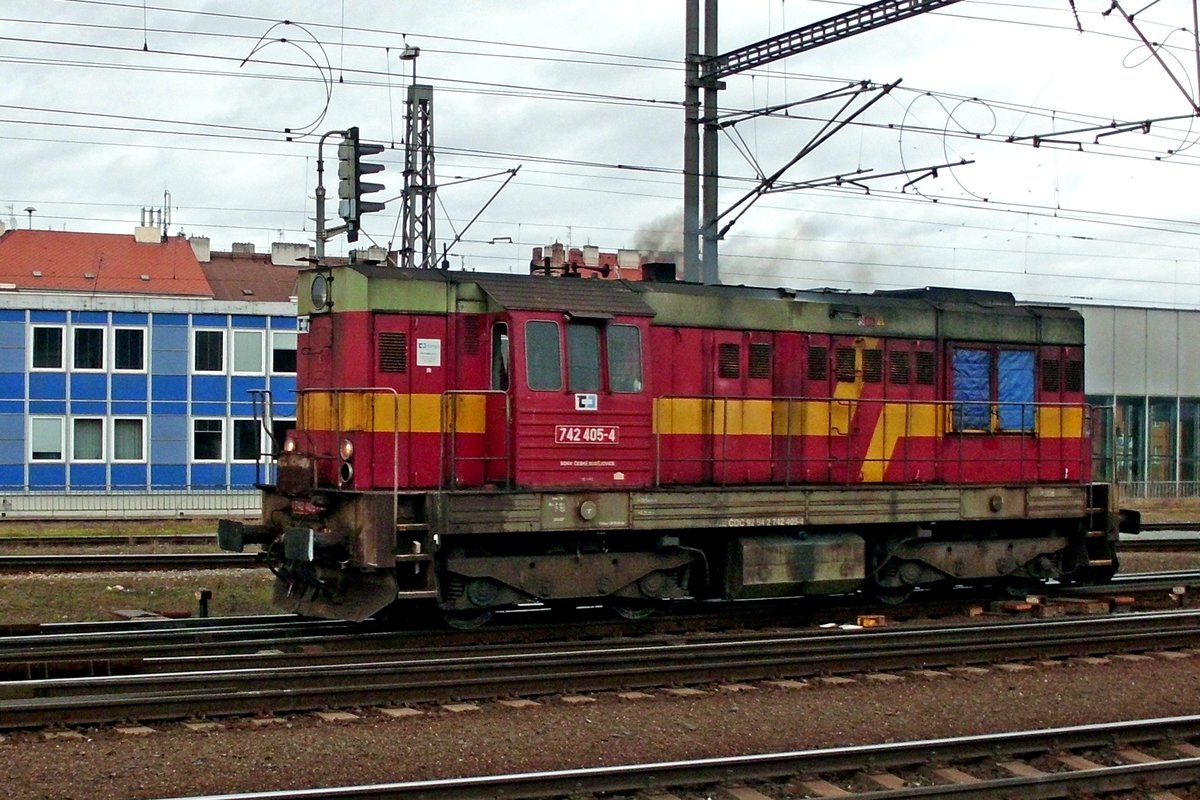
x: 146, y: 234
x: 290, y: 254
x: 200, y: 246
x: 242, y: 248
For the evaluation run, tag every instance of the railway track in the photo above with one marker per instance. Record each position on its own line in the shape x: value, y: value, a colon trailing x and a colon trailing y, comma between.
x: 273, y: 681
x: 122, y: 647
x: 1097, y: 759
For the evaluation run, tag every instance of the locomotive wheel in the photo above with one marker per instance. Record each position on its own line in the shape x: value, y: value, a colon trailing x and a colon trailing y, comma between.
x: 1021, y: 588
x: 633, y: 611
x: 892, y: 595
x: 467, y: 620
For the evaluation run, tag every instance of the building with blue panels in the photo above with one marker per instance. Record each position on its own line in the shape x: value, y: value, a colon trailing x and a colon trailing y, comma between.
x: 141, y: 374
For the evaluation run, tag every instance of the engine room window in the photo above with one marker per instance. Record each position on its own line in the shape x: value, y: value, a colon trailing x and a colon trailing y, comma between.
x: 1015, y: 389
x: 583, y: 357
x: 624, y: 358
x: 543, y: 356
x: 972, y: 390
x: 993, y: 384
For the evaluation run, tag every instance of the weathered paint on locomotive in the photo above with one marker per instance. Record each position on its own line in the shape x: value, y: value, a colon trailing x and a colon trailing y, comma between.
x: 760, y: 416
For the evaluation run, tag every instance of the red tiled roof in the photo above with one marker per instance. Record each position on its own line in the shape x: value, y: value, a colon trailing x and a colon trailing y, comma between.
x: 100, y: 262
x: 250, y: 277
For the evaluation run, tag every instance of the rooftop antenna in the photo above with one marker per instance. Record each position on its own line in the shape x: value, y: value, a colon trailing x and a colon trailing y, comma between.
x: 29, y: 210
x: 165, y: 216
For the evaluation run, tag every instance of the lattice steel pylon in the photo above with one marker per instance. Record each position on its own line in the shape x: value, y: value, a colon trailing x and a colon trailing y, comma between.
x: 419, y: 245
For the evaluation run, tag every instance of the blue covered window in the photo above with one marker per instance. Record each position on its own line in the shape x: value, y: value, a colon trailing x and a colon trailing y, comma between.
x: 972, y: 390
x: 1014, y: 389
x: 993, y: 389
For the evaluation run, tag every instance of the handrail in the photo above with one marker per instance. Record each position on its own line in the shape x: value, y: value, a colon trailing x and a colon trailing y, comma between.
x: 261, y: 399
x: 449, y: 432
x: 336, y: 395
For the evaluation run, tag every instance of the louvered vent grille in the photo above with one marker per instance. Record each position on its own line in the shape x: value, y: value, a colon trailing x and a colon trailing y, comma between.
x: 393, y: 352
x: 728, y: 361
x: 818, y: 363
x: 471, y: 326
x: 1074, y: 381
x: 760, y: 360
x: 901, y: 368
x: 926, y: 368
x: 845, y: 364
x: 1050, y: 375
x: 873, y: 366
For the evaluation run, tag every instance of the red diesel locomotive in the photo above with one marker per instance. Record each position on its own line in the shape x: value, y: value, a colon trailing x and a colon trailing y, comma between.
x: 471, y: 442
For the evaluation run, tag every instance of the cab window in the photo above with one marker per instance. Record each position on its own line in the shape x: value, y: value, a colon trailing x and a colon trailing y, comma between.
x: 543, y: 356
x: 583, y: 357
x: 500, y: 356
x: 624, y: 358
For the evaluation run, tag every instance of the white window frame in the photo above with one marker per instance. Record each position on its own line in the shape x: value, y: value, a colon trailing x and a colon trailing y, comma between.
x: 233, y: 459
x: 224, y: 352
x: 62, y: 347
x: 103, y: 348
x: 113, y: 439
x: 75, y: 459
x: 295, y: 348
x: 234, y: 349
x: 220, y: 459
x: 62, y: 438
x: 145, y: 349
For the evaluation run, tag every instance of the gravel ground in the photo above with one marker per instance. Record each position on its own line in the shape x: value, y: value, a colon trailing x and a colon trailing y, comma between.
x: 304, y: 751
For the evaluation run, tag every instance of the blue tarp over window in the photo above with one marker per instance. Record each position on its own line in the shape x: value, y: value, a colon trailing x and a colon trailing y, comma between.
x: 972, y: 389
x: 1014, y: 385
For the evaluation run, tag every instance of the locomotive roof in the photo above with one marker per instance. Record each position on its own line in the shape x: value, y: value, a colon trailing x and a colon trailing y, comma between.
x: 579, y: 296
x: 930, y: 312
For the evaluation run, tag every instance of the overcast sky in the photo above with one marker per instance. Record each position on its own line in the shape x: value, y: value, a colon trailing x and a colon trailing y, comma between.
x: 106, y: 105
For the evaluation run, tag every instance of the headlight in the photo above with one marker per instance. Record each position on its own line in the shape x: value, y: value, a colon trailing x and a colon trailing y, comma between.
x: 319, y: 291
x: 346, y: 472
x: 346, y: 451
x: 289, y: 444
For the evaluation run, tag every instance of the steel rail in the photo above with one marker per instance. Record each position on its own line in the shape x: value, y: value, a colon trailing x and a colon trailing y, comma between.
x: 701, y: 773
x: 127, y: 562
x: 278, y: 687
x: 108, y: 539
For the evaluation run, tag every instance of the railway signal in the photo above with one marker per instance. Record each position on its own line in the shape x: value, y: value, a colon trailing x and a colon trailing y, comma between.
x: 351, y: 186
